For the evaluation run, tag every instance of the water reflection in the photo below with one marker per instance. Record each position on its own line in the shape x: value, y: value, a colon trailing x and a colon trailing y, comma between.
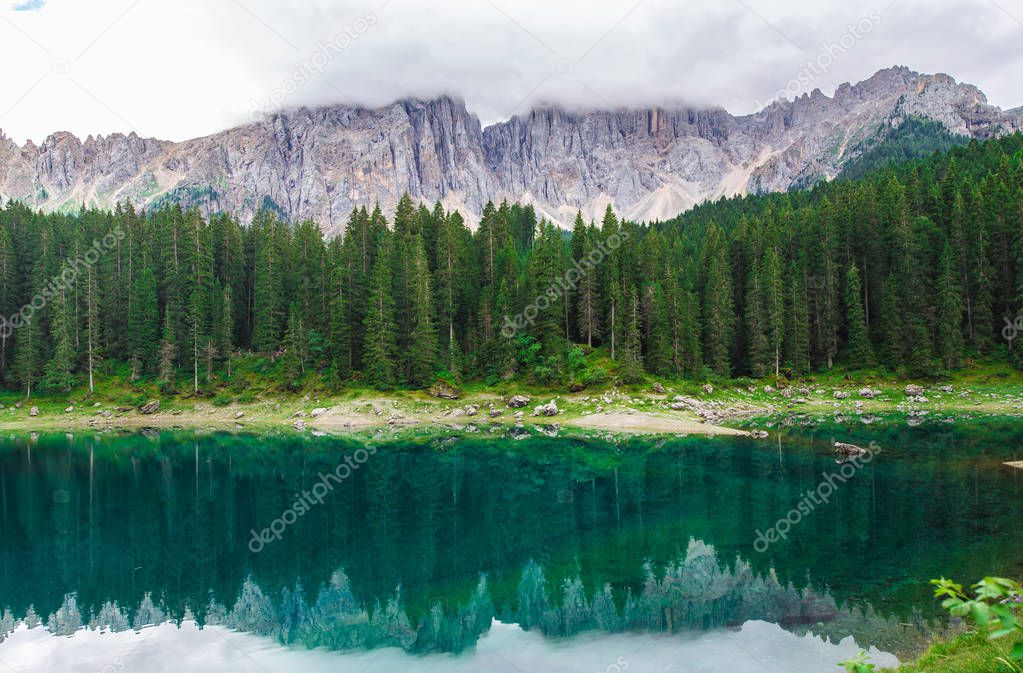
x: 422, y: 545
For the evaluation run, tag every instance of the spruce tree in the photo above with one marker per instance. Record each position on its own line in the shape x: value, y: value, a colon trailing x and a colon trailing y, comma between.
x: 891, y: 321
x: 59, y: 374
x: 423, y: 334
x: 381, y: 348
x: 93, y: 325
x: 717, y: 304
x: 168, y: 353
x: 143, y: 322
x: 774, y: 305
x: 587, y: 295
x: 296, y: 348
x: 860, y: 352
x: 756, y: 327
x: 340, y: 327
x: 225, y: 334
x: 631, y: 367
x: 28, y: 354
x: 950, y: 310
x: 267, y: 290
x: 797, y: 337
x: 8, y: 293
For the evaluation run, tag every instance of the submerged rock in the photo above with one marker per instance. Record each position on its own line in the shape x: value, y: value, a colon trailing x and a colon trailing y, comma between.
x: 849, y: 450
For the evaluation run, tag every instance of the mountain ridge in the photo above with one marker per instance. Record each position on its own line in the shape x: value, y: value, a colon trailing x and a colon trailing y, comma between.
x: 648, y: 163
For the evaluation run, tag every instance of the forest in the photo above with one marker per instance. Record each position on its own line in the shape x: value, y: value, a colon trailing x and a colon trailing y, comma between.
x: 914, y: 269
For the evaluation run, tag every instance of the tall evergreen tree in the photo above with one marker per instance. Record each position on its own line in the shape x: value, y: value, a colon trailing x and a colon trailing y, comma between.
x: 717, y: 303
x: 861, y: 353
x: 93, y: 325
x: 381, y: 348
x: 950, y: 310
x: 423, y: 342
x: 59, y: 375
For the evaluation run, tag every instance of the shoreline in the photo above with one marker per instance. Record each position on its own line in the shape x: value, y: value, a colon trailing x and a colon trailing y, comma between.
x: 657, y: 410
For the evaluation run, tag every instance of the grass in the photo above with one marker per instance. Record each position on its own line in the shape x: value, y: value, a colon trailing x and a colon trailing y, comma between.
x: 256, y: 387
x: 967, y: 653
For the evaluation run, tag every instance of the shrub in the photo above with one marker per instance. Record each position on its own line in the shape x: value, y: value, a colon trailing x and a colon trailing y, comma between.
x: 995, y: 606
x: 221, y: 400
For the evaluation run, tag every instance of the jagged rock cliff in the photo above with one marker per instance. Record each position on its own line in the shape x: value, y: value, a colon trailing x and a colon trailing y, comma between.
x: 648, y: 164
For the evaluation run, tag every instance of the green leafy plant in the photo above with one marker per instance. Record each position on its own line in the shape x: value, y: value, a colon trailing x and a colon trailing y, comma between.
x: 221, y: 400
x: 858, y: 664
x: 995, y: 607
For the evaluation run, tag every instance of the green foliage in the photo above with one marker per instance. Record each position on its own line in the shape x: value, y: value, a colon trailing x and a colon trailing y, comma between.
x: 858, y: 664
x: 222, y: 399
x: 972, y: 652
x: 915, y: 139
x: 915, y: 267
x: 996, y: 607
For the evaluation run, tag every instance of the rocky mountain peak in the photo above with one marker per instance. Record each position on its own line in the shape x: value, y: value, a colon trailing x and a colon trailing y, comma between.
x: 649, y: 163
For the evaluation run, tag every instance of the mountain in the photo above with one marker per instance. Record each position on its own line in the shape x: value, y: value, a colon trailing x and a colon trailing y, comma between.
x: 649, y: 164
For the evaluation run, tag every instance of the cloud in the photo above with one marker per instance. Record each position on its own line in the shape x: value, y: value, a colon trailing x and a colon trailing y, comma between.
x: 29, y: 6
x: 211, y: 63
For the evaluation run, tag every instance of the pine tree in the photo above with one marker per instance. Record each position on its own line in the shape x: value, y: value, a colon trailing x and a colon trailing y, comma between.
x: 423, y: 342
x: 28, y: 354
x: 225, y: 340
x: 93, y: 325
x: 59, y: 373
x: 892, y: 344
x: 8, y: 280
x: 756, y: 327
x: 774, y: 304
x: 381, y: 349
x: 168, y: 353
x: 611, y: 287
x: 659, y: 352
x: 296, y: 348
x: 450, y: 280
x: 587, y: 295
x: 950, y: 310
x: 340, y: 328
x: 267, y: 288
x: 200, y: 279
x: 717, y: 303
x: 631, y: 369
x: 861, y: 353
x: 797, y: 338
x: 143, y: 322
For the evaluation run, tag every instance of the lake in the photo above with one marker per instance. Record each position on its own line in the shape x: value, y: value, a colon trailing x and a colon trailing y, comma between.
x: 494, y: 551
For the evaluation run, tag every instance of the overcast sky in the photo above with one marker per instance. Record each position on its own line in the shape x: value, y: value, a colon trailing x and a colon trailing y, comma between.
x: 191, y: 67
